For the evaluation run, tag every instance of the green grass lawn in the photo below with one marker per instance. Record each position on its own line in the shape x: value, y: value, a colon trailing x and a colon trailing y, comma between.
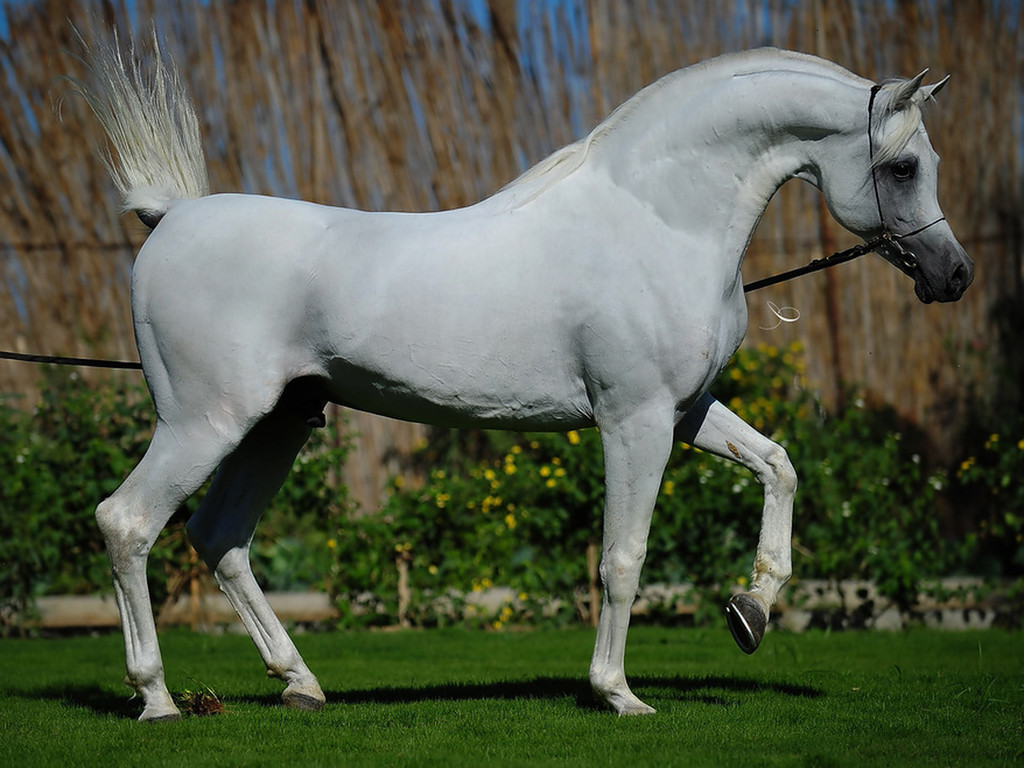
x: 455, y: 697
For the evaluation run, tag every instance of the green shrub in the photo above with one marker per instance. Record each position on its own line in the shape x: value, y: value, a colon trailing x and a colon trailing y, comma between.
x: 60, y: 460
x: 74, y: 449
x: 994, y: 478
x: 524, y: 512
x: 866, y: 509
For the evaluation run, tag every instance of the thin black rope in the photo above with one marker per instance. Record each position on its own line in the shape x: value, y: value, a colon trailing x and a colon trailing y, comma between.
x: 832, y: 260
x: 86, y: 362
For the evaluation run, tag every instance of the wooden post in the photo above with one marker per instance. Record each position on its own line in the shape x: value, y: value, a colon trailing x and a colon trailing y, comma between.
x: 404, y: 595
x: 593, y: 559
x: 194, y: 587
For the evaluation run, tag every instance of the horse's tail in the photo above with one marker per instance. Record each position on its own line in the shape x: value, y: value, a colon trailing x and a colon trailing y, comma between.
x: 156, y: 152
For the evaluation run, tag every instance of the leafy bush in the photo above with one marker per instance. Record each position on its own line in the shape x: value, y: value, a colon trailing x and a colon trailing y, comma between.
x: 60, y: 460
x: 523, y: 511
x: 74, y: 449
x: 990, y: 483
x: 866, y: 509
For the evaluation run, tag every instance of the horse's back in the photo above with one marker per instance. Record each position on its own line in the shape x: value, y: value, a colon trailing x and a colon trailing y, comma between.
x: 425, y: 317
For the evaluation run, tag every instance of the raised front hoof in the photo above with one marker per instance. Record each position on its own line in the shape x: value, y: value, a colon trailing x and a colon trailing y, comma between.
x: 303, y: 701
x: 747, y: 622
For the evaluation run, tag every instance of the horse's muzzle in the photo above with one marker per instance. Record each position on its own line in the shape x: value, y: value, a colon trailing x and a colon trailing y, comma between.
x: 947, y: 287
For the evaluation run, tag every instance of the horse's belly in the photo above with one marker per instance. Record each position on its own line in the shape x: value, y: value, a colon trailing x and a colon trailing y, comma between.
x: 457, y: 397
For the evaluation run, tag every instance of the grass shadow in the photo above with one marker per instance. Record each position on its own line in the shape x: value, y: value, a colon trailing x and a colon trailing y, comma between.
x: 711, y: 691
x: 100, y: 701
x: 706, y: 690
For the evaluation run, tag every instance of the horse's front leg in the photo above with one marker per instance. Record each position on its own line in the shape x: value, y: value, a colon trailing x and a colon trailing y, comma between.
x: 712, y: 427
x: 635, y: 453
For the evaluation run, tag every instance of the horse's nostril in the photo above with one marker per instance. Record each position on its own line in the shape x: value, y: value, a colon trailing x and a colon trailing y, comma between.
x: 958, y: 280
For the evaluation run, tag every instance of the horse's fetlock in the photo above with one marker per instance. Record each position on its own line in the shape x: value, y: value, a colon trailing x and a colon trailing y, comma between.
x: 779, y: 570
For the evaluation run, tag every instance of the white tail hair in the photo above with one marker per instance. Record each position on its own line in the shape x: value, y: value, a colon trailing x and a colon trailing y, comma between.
x: 156, y: 154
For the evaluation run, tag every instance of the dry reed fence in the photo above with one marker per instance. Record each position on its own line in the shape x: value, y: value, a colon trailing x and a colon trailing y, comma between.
x: 426, y: 105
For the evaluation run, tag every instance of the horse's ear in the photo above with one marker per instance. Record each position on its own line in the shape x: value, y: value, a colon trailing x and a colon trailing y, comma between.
x: 904, y: 92
x: 929, y: 91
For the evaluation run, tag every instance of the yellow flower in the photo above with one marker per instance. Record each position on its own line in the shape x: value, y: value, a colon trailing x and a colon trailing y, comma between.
x: 441, y: 499
x: 735, y: 374
x: 742, y: 581
x: 517, y: 449
x: 490, y: 475
x: 669, y: 488
x: 560, y: 472
x: 545, y: 471
x: 574, y: 437
x: 432, y: 569
x: 992, y: 442
x: 331, y: 543
x: 550, y: 482
x: 510, y: 521
x: 510, y: 468
x: 523, y: 596
x: 1020, y: 444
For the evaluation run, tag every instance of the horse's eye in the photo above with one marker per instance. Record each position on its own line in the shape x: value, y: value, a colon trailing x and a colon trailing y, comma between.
x: 903, y: 170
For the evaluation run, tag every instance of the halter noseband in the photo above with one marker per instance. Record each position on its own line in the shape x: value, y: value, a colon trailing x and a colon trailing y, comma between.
x: 888, y: 244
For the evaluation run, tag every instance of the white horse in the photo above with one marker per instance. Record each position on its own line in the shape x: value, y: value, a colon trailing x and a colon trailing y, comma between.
x: 601, y: 288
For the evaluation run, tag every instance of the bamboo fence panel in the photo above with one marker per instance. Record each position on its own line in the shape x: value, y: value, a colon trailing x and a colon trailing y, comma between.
x: 408, y: 105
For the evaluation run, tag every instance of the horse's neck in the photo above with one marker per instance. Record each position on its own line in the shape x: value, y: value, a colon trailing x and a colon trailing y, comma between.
x: 707, y: 155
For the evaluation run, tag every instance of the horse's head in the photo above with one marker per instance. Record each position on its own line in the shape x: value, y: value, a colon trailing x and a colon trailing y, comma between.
x: 886, y: 187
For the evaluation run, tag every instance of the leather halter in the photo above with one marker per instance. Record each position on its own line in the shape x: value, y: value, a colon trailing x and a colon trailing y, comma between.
x: 888, y: 244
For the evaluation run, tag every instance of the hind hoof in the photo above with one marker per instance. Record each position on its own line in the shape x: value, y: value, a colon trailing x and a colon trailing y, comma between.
x: 746, y: 622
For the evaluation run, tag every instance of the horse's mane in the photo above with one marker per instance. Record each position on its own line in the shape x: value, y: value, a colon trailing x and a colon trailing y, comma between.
x: 563, y: 162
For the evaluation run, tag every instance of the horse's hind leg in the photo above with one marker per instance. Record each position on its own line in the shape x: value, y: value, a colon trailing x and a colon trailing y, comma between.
x: 131, y: 519
x: 221, y: 531
x: 712, y: 427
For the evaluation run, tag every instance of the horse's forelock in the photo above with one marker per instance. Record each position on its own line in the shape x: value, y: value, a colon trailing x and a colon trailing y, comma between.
x: 895, y: 121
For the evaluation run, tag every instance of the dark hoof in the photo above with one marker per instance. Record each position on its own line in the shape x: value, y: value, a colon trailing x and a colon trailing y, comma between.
x: 303, y: 702
x: 746, y: 622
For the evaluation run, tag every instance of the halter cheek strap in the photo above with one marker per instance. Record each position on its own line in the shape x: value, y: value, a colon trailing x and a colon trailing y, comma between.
x: 888, y: 244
